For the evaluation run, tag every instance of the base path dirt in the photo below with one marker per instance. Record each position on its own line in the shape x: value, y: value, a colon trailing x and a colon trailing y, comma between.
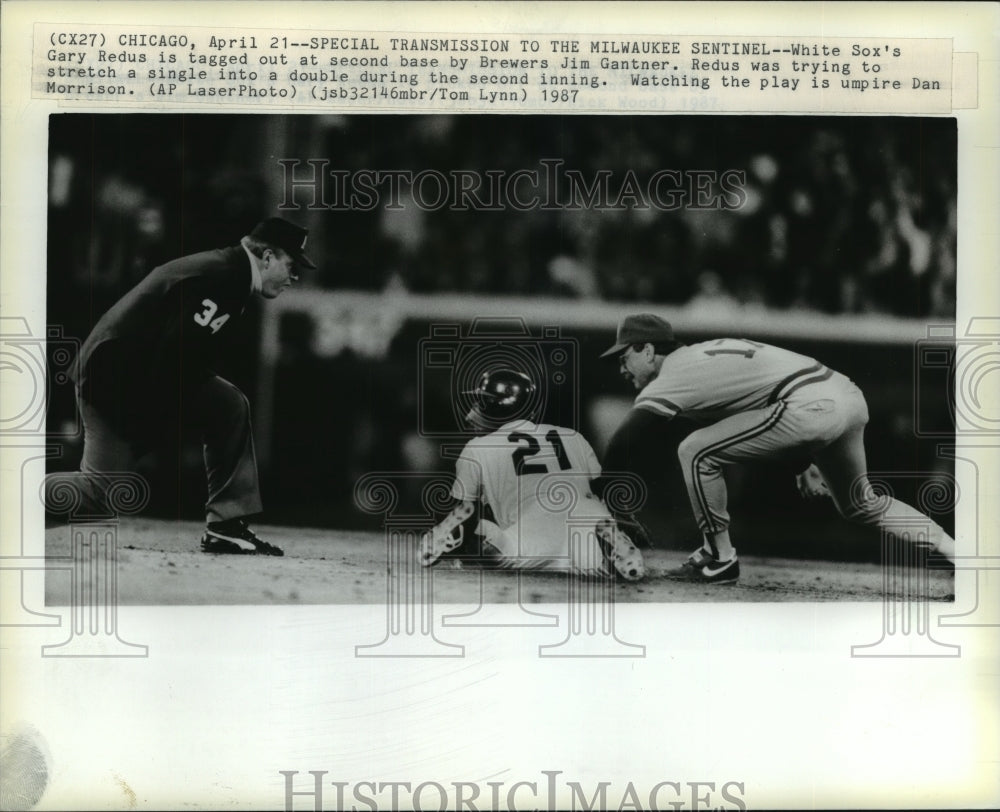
x: 160, y: 563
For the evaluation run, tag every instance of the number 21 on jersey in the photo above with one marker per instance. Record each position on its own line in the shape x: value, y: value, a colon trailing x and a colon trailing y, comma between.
x: 528, y: 446
x: 204, y: 318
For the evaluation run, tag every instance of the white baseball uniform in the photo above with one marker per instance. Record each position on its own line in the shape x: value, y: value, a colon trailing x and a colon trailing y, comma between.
x: 761, y: 401
x: 536, y: 479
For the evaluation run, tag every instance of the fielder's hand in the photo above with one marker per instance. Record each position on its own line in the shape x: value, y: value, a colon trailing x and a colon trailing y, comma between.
x: 811, y: 484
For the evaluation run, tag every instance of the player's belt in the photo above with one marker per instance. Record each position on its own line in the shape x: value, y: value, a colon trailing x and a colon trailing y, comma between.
x: 804, y: 377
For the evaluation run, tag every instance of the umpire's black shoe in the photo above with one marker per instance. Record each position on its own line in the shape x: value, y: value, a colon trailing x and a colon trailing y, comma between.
x: 234, y: 537
x: 703, y: 568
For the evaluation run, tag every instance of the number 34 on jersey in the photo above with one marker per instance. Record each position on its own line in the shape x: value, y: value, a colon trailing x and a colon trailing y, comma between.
x: 206, y: 316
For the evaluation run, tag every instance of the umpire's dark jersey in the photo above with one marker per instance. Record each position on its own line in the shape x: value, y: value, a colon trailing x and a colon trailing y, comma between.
x: 154, y: 346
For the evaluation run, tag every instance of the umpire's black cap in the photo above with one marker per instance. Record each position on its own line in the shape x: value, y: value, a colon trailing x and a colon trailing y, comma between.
x: 285, y: 235
x: 644, y: 328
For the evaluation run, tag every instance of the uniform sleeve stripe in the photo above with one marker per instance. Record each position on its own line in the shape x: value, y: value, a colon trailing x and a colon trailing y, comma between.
x: 655, y: 407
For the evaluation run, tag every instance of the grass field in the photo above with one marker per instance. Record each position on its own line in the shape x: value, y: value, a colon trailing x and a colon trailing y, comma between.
x: 160, y: 563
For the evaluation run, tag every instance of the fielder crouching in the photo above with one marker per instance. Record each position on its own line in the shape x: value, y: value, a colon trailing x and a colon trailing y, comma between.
x: 752, y: 401
x: 535, y: 479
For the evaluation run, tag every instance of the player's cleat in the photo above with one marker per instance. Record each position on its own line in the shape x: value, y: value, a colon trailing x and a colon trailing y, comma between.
x: 697, y: 559
x: 448, y: 535
x: 619, y: 550
x: 703, y: 568
x: 234, y: 537
x: 212, y: 543
x: 636, y: 530
x: 434, y: 544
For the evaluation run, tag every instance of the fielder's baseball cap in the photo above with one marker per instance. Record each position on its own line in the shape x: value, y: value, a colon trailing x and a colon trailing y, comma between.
x: 644, y: 328
x: 287, y: 236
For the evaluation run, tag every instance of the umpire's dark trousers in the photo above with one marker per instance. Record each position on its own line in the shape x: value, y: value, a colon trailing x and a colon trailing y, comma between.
x: 219, y: 410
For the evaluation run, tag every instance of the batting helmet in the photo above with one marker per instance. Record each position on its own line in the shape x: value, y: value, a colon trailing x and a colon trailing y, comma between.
x: 501, y: 395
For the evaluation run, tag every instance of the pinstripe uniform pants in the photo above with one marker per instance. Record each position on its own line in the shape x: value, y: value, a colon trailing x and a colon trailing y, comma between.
x: 825, y: 419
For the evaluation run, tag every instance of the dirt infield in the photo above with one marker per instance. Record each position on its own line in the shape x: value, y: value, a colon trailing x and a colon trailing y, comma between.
x: 159, y: 563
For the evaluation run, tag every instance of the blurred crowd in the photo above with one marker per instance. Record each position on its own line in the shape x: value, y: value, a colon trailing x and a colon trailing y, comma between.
x: 835, y: 214
x: 852, y: 216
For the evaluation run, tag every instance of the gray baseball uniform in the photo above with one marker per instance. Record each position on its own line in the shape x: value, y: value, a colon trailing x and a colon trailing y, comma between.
x: 761, y: 401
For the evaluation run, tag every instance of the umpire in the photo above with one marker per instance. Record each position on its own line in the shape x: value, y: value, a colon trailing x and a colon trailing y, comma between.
x: 145, y: 368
